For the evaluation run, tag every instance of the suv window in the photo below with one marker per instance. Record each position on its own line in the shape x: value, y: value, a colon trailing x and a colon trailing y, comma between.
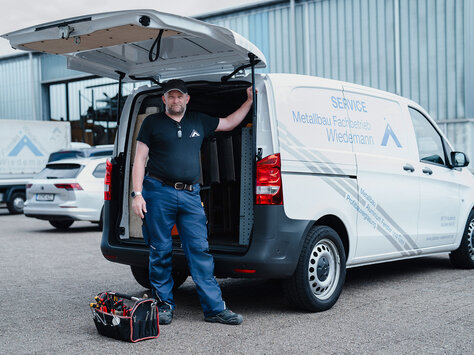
x: 99, y: 171
x: 430, y: 143
x: 59, y: 171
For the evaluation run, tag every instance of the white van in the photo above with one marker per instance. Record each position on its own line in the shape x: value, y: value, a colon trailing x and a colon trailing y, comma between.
x: 323, y: 176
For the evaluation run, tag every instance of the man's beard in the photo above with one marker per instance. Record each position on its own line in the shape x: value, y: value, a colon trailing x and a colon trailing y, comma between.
x: 177, y: 110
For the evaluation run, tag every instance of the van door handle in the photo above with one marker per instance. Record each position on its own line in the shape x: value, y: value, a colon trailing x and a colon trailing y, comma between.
x: 427, y: 171
x: 408, y: 167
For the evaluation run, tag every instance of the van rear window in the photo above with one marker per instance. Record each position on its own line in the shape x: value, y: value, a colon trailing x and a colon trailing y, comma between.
x: 59, y: 171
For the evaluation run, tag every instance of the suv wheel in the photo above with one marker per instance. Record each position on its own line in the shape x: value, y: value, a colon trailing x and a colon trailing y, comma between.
x: 61, y: 225
x: 317, y: 282
x: 142, y: 277
x: 463, y: 257
x: 16, y: 202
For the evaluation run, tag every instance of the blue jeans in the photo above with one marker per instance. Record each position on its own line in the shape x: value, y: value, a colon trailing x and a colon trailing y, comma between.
x: 167, y: 206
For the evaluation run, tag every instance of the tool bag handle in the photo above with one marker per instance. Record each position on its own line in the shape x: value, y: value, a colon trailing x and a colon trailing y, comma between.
x: 122, y: 295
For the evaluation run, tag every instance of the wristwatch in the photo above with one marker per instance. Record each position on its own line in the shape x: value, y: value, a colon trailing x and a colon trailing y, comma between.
x: 135, y: 194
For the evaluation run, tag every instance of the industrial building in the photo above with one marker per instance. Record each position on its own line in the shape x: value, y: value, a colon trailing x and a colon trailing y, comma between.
x: 420, y: 49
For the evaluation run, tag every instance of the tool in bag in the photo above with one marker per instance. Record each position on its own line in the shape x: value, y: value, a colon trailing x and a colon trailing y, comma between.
x: 125, y: 317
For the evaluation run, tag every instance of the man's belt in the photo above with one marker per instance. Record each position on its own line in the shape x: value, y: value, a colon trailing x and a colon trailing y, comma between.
x: 177, y: 185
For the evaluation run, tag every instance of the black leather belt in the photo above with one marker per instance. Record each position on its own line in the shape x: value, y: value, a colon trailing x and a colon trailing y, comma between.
x: 177, y: 185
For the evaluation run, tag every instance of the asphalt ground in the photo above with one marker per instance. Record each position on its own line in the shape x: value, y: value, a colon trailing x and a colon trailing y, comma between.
x: 48, y: 278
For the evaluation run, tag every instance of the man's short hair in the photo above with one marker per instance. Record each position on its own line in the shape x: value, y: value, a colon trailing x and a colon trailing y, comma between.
x: 175, y: 84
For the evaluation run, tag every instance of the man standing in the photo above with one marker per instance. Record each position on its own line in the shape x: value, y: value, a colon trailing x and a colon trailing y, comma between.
x: 169, y: 194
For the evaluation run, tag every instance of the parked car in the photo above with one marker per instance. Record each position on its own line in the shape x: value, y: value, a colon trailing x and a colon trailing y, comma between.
x: 95, y: 151
x: 66, y: 191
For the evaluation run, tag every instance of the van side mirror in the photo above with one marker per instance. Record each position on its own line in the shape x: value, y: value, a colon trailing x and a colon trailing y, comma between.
x: 459, y: 159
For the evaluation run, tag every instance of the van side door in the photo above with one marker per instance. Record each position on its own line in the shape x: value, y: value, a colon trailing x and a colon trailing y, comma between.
x: 440, y: 189
x: 389, y: 187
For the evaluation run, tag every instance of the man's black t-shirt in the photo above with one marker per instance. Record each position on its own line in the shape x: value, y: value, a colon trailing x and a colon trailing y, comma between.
x: 172, y: 158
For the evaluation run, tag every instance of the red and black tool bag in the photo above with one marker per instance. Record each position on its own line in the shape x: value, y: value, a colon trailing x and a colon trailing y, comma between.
x: 140, y: 322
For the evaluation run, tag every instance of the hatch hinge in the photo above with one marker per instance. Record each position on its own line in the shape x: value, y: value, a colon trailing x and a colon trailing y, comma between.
x: 242, y: 67
x: 65, y: 31
x: 143, y: 78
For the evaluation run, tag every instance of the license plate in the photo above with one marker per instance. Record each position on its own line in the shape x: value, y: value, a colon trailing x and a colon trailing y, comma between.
x: 44, y: 197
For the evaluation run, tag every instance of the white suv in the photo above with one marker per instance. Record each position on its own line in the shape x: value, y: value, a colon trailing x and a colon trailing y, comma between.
x: 66, y: 191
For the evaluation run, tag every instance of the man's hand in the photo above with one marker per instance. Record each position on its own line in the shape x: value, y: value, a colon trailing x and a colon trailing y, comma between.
x: 250, y: 93
x: 139, y: 206
x: 234, y: 119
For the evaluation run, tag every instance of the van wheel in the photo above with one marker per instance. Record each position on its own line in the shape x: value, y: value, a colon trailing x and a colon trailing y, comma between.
x: 141, y: 275
x: 61, y: 225
x: 16, y: 203
x: 463, y: 257
x: 317, y: 282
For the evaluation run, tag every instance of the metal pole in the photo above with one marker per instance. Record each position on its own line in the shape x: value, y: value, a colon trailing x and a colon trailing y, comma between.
x: 67, y: 101
x: 119, y: 99
x: 293, y: 66
x: 80, y: 118
x: 34, y: 97
x: 398, y: 79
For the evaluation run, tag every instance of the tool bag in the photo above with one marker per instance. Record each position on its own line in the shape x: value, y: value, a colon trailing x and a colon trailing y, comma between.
x: 125, y: 317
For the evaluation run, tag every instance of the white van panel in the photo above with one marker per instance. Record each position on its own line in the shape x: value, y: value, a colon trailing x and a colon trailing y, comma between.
x: 437, y: 223
x: 389, y: 193
x: 316, y: 165
x: 264, y: 126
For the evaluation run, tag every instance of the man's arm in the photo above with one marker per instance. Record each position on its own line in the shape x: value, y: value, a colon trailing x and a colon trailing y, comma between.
x: 138, y: 173
x: 233, y: 120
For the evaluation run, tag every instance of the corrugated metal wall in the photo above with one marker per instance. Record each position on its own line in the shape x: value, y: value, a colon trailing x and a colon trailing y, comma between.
x: 415, y: 48
x: 20, y: 88
x: 54, y: 68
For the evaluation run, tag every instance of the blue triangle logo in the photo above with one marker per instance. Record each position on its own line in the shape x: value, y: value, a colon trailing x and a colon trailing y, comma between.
x: 390, y: 133
x: 25, y: 142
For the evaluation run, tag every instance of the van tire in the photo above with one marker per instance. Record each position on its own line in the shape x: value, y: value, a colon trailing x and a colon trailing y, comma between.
x: 463, y: 257
x: 322, y: 247
x: 16, y: 202
x: 141, y: 275
x: 61, y: 225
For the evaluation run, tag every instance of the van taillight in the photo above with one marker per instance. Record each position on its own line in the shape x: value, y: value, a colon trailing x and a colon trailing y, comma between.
x: 268, y: 186
x: 108, y: 181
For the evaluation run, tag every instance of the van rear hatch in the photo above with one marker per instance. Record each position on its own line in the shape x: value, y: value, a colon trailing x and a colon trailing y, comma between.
x: 139, y: 43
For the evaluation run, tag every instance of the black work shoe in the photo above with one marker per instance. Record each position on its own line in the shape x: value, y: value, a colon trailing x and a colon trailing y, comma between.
x: 165, y: 313
x: 225, y: 317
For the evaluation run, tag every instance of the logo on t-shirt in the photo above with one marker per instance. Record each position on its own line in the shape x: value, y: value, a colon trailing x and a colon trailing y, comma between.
x: 194, y: 134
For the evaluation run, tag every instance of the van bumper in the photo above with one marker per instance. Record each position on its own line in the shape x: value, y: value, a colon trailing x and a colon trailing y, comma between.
x: 273, y: 252
x: 274, y: 248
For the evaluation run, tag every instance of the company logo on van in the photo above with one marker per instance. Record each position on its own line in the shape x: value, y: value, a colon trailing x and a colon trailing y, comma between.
x: 390, y: 133
x: 25, y: 142
x: 348, y: 104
